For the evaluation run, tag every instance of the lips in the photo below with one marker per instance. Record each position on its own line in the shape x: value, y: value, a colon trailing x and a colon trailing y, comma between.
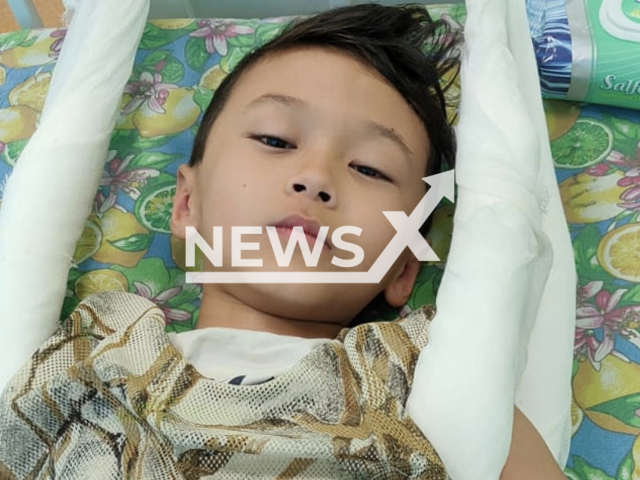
x: 310, y: 227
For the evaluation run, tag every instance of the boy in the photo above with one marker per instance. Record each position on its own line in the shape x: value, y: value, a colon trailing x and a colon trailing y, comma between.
x: 331, y: 124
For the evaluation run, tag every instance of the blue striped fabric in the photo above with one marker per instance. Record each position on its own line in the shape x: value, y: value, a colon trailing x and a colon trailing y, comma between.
x: 552, y: 43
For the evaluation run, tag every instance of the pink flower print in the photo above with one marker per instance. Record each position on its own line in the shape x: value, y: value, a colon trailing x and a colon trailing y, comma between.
x: 631, y: 195
x: 150, y: 90
x: 585, y: 341
x: 102, y: 203
x: 117, y: 177
x: 215, y: 33
x: 161, y: 299
x: 599, y: 170
x: 56, y: 46
x: 602, y: 313
x: 589, y: 290
x: 619, y: 159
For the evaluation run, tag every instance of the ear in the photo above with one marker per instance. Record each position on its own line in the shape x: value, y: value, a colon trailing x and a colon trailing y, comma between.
x: 184, y: 213
x: 399, y: 290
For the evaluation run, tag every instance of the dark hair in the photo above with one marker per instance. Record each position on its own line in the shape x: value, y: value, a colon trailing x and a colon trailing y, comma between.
x: 402, y: 43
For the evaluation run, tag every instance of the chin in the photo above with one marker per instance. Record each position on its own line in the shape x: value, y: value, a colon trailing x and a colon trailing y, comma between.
x: 310, y: 301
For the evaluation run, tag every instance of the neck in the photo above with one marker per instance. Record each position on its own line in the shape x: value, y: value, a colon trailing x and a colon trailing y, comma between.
x: 221, y: 309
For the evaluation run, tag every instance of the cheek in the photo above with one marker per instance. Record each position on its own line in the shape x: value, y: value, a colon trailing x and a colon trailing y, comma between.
x: 236, y: 194
x: 376, y: 233
x: 244, y: 170
x: 377, y: 230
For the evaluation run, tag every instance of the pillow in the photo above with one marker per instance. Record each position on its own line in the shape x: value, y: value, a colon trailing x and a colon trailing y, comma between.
x: 126, y: 244
x: 600, y: 189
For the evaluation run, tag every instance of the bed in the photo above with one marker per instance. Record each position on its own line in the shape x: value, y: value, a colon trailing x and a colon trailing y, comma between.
x: 126, y: 244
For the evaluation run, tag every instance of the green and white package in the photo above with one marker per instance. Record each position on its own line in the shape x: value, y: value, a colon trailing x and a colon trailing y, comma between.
x: 588, y: 50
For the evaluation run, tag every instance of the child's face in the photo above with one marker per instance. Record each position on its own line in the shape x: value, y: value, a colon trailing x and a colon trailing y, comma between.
x: 334, y: 123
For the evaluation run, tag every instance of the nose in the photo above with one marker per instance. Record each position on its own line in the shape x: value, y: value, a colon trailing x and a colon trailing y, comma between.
x: 314, y: 183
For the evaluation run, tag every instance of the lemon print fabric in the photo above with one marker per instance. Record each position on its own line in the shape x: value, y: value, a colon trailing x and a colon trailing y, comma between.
x: 591, y: 198
x: 212, y: 78
x: 122, y: 238
x: 153, y: 209
x: 30, y: 48
x: 586, y: 143
x: 600, y: 394
x: 89, y: 243
x: 32, y: 92
x: 173, y: 111
x: 17, y: 123
x: 560, y: 117
x: 619, y: 252
x: 596, y: 152
x: 172, y: 23
x: 104, y: 280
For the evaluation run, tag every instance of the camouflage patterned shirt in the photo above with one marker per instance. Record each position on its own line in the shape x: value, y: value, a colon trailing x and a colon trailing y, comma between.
x: 108, y: 397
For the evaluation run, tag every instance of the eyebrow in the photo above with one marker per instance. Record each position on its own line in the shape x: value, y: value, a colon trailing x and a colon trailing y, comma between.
x: 374, y: 127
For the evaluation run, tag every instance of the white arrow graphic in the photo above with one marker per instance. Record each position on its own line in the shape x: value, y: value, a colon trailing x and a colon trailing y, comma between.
x: 408, y: 235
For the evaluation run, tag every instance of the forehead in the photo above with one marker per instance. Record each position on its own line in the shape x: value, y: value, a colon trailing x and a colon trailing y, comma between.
x: 335, y: 86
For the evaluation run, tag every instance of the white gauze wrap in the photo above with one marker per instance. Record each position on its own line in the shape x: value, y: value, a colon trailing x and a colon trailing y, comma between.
x: 49, y: 194
x: 503, y: 332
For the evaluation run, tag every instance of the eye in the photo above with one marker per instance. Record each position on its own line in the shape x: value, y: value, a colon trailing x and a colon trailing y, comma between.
x: 371, y: 172
x: 273, y: 142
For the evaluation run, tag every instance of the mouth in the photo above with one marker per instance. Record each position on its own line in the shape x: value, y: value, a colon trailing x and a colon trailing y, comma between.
x: 310, y: 227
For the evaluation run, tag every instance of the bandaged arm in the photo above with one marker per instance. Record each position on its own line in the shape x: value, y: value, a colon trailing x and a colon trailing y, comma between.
x: 467, y: 377
x: 48, y: 196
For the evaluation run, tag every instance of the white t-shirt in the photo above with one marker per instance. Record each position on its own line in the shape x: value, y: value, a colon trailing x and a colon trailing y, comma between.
x: 241, y: 356
x: 246, y: 357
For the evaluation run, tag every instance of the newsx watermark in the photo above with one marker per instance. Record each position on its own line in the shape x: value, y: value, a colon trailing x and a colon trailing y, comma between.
x: 407, y: 235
